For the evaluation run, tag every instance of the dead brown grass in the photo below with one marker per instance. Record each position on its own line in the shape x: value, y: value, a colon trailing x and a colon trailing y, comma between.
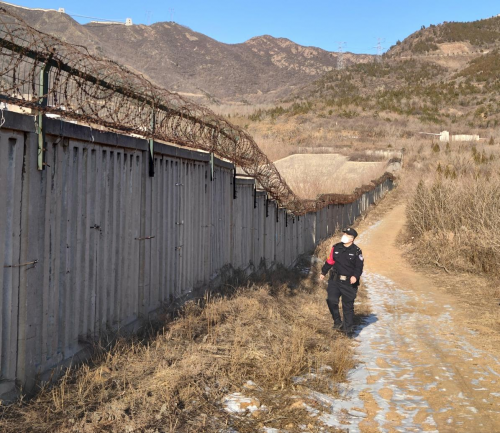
x: 267, y: 331
x: 287, y: 135
x: 457, y: 223
x: 454, y: 206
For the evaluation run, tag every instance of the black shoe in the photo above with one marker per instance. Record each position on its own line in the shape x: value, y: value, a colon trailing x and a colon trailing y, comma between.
x: 337, y: 326
x: 348, y: 333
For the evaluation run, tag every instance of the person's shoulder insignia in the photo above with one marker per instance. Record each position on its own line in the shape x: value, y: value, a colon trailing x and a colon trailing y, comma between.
x: 360, y: 253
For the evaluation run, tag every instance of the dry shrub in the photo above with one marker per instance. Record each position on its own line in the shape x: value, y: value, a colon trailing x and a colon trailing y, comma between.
x: 456, y: 223
x: 268, y: 332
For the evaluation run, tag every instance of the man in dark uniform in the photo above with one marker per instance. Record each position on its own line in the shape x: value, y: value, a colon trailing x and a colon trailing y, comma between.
x: 346, y: 262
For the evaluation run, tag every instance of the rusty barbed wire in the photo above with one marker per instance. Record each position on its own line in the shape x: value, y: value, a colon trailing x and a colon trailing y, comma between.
x: 96, y: 90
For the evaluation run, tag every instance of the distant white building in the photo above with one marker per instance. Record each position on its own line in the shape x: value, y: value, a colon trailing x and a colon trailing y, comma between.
x: 61, y: 10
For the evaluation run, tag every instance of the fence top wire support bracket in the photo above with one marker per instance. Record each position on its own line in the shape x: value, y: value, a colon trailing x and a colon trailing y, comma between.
x: 43, y: 90
x: 211, y: 166
x: 152, y: 144
x: 234, y: 184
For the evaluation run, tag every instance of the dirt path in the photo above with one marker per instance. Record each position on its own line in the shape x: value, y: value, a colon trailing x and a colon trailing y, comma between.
x: 420, y: 367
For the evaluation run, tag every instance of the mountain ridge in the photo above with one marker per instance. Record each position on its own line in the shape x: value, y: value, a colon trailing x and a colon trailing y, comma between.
x: 185, y: 61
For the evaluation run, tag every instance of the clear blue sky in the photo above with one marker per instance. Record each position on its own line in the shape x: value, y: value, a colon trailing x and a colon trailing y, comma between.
x: 316, y: 23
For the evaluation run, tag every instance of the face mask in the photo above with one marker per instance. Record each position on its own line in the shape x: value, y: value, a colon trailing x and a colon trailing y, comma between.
x: 345, y: 239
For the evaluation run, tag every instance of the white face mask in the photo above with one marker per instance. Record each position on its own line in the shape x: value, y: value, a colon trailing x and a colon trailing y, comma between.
x: 345, y: 239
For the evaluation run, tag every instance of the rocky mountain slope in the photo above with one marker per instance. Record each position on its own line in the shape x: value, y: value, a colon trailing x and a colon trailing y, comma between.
x: 182, y: 60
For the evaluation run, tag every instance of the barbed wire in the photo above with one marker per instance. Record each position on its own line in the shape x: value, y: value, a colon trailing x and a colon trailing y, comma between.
x: 94, y: 90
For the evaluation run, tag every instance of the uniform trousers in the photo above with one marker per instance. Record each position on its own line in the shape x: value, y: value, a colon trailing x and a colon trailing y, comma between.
x: 342, y: 289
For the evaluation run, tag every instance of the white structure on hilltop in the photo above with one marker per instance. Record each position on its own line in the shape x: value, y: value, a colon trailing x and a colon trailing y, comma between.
x: 444, y: 136
x: 128, y: 22
x: 61, y: 10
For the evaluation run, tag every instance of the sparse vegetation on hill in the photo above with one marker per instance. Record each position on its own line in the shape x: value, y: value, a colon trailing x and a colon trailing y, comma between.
x: 404, y: 88
x: 477, y: 34
x: 484, y: 69
x: 424, y: 46
x: 415, y: 88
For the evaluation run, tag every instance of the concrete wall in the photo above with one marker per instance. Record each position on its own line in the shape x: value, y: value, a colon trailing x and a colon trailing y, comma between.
x: 445, y: 136
x: 93, y: 244
x: 465, y: 137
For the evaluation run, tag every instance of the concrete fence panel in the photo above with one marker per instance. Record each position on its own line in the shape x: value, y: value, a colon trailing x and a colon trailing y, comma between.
x: 11, y: 173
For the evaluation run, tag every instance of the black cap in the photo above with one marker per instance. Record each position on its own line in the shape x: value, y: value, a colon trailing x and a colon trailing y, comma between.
x: 351, y: 232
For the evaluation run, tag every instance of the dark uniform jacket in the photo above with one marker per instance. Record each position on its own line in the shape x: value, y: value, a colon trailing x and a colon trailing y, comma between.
x: 346, y: 261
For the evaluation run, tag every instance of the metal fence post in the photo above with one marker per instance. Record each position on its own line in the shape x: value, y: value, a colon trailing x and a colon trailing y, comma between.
x: 152, y: 144
x: 43, y: 90
x: 234, y: 183
x: 211, y: 166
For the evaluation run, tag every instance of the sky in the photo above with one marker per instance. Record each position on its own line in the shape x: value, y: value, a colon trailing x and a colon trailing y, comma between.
x: 324, y: 24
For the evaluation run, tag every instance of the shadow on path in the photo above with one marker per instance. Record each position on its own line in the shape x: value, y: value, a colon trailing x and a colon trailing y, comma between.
x: 362, y: 321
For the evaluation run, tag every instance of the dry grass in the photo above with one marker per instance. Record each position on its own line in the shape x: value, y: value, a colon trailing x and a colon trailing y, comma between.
x: 457, y: 223
x: 454, y: 205
x: 286, y: 135
x: 268, y: 331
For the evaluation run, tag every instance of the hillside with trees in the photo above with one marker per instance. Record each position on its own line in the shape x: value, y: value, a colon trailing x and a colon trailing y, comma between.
x: 399, y: 94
